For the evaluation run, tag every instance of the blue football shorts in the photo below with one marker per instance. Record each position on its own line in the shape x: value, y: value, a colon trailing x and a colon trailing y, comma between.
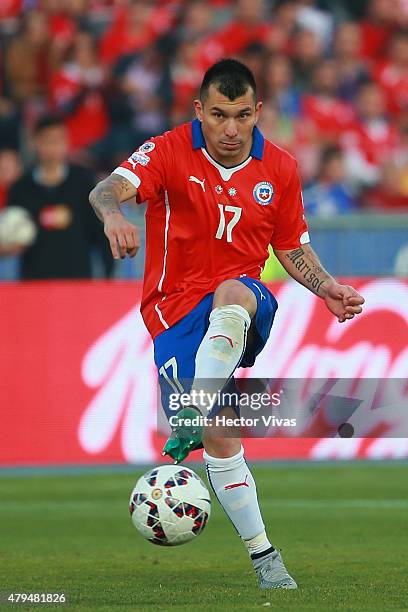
x: 175, y: 349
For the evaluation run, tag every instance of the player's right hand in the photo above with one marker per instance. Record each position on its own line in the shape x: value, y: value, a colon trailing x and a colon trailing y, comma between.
x: 124, y: 237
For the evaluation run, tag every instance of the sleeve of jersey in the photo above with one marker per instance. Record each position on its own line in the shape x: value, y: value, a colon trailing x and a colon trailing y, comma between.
x: 291, y: 229
x: 147, y: 168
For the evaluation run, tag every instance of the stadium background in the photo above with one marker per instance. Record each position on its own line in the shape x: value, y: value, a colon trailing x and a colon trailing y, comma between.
x: 334, y: 80
x: 77, y: 383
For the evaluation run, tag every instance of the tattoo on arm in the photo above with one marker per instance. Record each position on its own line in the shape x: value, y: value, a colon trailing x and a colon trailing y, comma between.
x: 108, y: 194
x: 310, y: 270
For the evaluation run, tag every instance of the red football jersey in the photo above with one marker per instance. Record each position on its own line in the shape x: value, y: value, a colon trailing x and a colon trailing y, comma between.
x: 206, y: 223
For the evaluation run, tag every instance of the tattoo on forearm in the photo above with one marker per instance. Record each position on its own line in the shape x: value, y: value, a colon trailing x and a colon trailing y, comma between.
x: 309, y: 266
x: 105, y: 197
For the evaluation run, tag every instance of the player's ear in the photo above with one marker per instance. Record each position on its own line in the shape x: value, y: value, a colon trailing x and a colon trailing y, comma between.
x: 257, y: 110
x: 198, y: 107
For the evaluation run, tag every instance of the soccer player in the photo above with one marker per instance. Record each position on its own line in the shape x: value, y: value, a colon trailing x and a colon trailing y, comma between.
x: 218, y: 194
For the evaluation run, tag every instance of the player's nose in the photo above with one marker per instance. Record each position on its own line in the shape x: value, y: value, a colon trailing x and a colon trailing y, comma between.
x: 231, y: 128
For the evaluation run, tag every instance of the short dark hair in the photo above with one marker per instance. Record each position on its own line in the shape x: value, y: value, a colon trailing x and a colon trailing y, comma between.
x: 47, y: 121
x: 328, y: 153
x: 231, y: 77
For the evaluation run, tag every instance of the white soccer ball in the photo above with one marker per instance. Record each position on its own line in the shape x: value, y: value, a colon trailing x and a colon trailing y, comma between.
x: 170, y: 505
x: 16, y: 227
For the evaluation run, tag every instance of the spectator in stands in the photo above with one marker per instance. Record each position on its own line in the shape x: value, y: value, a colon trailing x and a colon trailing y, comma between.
x: 311, y: 98
x: 392, y: 75
x: 372, y: 140
x: 389, y: 194
x: 130, y: 32
x: 146, y: 84
x: 30, y: 58
x: 196, y: 21
x: 330, y: 194
x: 186, y: 79
x: 351, y: 70
x: 326, y: 115
x: 279, y: 87
x: 9, y: 12
x: 310, y: 17
x: 277, y: 127
x: 56, y: 195
x: 279, y: 38
x: 9, y: 123
x: 77, y: 92
x: 10, y: 171
x: 247, y: 26
x: 135, y: 27
x: 307, y: 55
x: 253, y: 56
x: 377, y: 28
x: 62, y: 25
x: 196, y: 24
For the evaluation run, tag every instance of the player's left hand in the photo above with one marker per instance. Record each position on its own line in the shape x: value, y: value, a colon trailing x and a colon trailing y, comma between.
x: 343, y: 301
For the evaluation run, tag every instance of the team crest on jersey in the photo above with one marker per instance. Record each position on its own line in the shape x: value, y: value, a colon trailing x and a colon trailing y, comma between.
x: 263, y: 193
x: 147, y: 147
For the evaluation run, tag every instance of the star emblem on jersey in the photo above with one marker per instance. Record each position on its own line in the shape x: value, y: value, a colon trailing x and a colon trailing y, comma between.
x: 232, y: 191
x: 219, y: 189
x: 263, y: 193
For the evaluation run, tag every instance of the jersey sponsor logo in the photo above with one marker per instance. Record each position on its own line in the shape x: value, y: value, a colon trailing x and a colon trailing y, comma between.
x: 194, y: 179
x: 138, y: 158
x: 263, y: 193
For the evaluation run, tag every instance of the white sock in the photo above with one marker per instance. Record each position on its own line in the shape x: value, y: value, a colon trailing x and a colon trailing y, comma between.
x: 239, y: 502
x: 221, y: 350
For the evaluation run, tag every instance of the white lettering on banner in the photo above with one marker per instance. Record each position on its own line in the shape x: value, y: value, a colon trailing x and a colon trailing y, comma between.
x: 336, y: 448
x: 120, y: 365
x: 288, y: 356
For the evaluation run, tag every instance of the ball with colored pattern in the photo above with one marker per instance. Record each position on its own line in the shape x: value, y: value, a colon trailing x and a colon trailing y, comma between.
x: 170, y: 505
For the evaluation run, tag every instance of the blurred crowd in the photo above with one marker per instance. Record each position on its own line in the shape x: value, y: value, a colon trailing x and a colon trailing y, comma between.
x: 333, y: 76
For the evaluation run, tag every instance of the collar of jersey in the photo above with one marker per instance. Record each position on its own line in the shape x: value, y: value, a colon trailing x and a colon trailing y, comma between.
x: 199, y: 142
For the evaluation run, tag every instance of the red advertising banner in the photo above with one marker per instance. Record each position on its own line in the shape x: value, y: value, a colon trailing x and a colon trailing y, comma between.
x: 78, y: 382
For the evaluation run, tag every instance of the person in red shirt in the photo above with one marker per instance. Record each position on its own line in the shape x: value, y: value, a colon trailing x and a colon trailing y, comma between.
x: 327, y: 115
x: 247, y: 26
x: 377, y: 28
x: 218, y: 194
x: 135, y: 27
x: 372, y: 140
x: 76, y: 90
x: 392, y: 75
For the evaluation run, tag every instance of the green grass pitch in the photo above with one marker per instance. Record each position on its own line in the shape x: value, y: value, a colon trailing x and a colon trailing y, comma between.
x: 342, y: 529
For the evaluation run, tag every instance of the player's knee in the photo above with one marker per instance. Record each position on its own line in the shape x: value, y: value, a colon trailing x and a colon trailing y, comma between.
x: 234, y: 292
x: 219, y: 447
